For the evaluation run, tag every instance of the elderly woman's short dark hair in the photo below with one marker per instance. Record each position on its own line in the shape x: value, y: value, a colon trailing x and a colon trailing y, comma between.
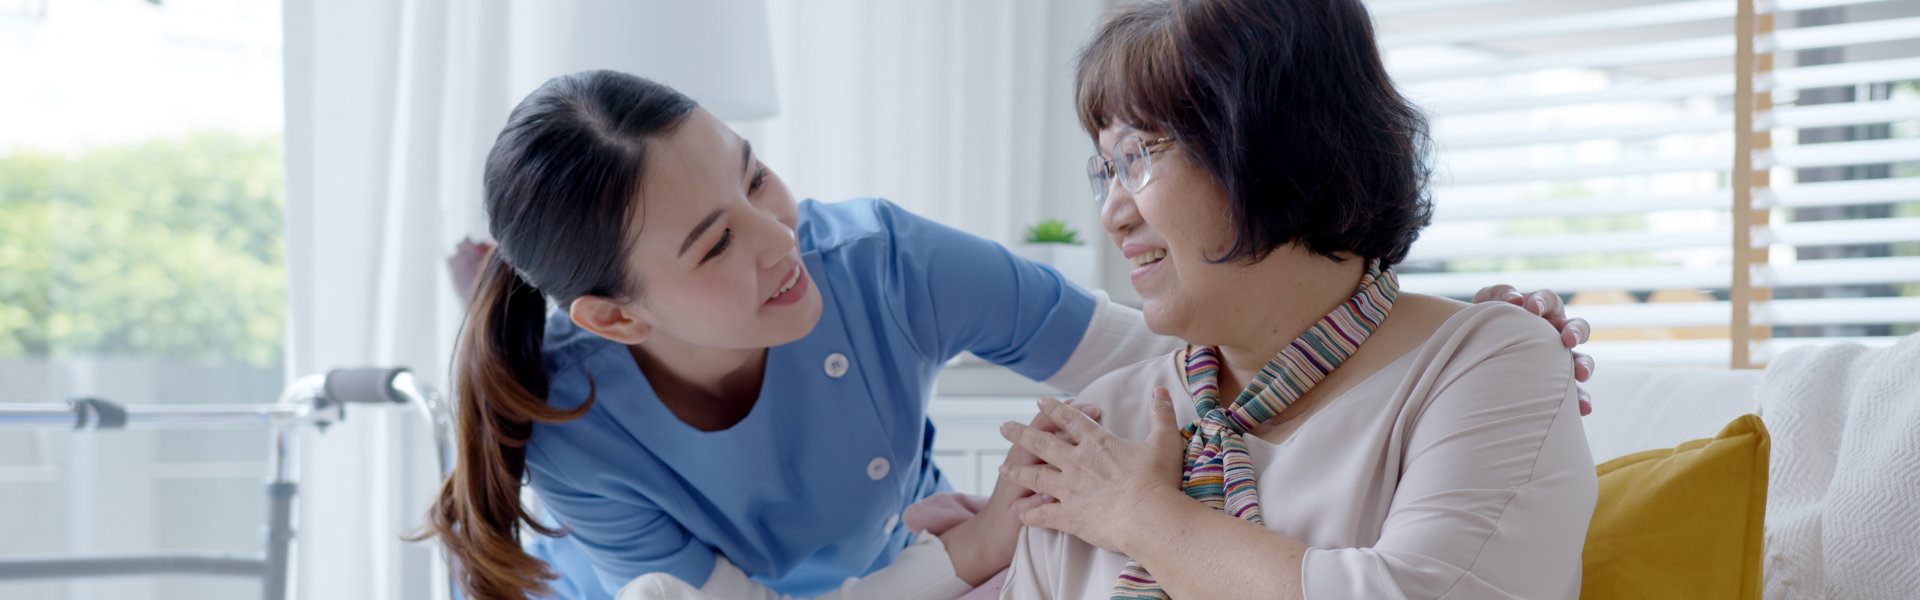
x: 1285, y: 103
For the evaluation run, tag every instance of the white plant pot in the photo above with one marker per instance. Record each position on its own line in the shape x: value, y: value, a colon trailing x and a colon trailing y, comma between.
x: 1076, y: 262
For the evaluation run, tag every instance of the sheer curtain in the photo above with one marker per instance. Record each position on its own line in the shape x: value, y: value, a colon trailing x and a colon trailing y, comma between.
x: 390, y: 109
x: 958, y: 110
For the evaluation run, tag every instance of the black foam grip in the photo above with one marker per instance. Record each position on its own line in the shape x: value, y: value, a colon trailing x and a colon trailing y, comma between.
x: 105, y: 415
x: 364, y: 385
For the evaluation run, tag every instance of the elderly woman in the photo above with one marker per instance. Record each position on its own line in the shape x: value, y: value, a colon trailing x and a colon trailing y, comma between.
x: 1323, y: 434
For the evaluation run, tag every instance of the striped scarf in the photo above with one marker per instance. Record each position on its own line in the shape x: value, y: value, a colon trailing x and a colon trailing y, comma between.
x: 1219, y: 472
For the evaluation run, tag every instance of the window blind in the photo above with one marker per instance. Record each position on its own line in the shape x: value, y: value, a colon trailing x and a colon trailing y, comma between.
x: 1709, y: 182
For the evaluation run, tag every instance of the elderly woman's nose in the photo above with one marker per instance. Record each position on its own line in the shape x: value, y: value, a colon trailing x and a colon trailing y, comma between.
x: 1118, y: 213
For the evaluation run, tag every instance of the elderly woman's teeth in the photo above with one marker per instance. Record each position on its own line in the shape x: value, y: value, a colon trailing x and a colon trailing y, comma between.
x: 1146, y: 258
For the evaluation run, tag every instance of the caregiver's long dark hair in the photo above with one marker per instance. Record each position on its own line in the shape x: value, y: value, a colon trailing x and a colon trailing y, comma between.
x: 561, y: 182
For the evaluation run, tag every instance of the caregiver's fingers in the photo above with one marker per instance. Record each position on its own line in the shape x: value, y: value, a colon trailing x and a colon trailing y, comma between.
x: 1075, y: 423
x: 1040, y: 421
x: 1582, y: 366
x: 1040, y: 478
x: 1050, y: 515
x: 1024, y: 504
x: 1047, y: 424
x: 1042, y: 444
x: 1502, y: 291
x: 1547, y: 304
x: 1586, y: 403
x: 1575, y: 332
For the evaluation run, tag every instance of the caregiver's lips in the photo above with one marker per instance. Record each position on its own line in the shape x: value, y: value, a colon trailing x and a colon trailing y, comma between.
x: 798, y: 289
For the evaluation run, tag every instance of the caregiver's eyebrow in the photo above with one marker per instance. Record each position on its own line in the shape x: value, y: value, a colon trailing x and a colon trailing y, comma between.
x: 746, y: 165
x: 699, y: 229
x: 746, y: 156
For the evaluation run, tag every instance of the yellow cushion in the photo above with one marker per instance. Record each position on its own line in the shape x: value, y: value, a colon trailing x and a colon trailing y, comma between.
x: 1681, y: 523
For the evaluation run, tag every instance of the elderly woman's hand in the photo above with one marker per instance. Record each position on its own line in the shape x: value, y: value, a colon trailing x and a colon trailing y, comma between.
x: 1100, y: 483
x: 983, y: 544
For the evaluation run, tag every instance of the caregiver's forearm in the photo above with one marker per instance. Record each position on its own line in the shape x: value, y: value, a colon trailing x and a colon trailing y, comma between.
x: 1115, y: 337
x: 922, y: 571
x: 1197, y: 552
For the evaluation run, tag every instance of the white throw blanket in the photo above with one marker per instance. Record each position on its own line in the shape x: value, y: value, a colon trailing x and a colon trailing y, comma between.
x: 1843, y: 506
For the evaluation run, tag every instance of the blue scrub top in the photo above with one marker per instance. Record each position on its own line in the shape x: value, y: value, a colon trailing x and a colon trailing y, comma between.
x: 806, y: 491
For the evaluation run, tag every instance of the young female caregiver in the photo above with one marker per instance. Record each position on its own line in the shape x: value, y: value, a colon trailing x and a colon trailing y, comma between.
x: 736, y: 392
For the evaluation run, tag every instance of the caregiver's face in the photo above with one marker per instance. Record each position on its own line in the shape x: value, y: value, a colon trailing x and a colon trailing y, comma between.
x: 1167, y: 230
x: 716, y: 255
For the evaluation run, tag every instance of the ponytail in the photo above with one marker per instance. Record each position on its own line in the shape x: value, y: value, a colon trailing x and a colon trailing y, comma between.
x: 501, y: 387
x: 561, y: 186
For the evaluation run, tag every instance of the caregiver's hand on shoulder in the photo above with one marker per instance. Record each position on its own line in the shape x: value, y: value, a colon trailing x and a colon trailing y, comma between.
x: 1100, y: 482
x: 1573, y: 332
x: 984, y: 544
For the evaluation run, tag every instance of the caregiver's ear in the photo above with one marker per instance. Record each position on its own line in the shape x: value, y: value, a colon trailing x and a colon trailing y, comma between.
x: 609, y: 320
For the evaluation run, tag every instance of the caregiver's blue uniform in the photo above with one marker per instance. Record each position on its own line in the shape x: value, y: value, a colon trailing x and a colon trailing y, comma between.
x: 807, y: 490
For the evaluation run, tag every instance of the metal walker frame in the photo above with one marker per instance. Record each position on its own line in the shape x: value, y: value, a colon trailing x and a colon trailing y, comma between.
x: 315, y: 400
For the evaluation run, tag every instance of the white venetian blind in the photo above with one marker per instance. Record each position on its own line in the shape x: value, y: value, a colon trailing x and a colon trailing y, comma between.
x: 1624, y: 153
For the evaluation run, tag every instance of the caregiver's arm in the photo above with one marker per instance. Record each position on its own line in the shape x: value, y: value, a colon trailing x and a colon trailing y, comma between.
x: 954, y: 292
x: 936, y: 567
x: 635, y: 548
x: 920, y: 572
x: 1115, y: 337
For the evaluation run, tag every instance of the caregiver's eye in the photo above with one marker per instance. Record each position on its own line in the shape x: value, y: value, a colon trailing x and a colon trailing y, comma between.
x: 726, y: 237
x: 759, y: 179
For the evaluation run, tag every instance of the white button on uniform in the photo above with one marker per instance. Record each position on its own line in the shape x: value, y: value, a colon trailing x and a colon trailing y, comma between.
x: 836, y: 365
x: 877, y: 468
x: 892, y: 521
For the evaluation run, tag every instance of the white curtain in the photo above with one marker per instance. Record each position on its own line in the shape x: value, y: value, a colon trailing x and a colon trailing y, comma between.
x: 391, y: 107
x: 959, y: 110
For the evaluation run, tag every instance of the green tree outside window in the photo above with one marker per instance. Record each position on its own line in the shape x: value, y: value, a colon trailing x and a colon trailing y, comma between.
x: 170, y: 247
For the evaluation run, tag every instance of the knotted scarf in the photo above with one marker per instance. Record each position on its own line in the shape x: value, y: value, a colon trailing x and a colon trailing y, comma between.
x: 1219, y: 472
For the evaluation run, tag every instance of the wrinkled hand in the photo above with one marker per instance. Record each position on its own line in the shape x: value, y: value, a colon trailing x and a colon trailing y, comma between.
x: 1573, y: 332
x: 1099, y: 481
x: 984, y: 544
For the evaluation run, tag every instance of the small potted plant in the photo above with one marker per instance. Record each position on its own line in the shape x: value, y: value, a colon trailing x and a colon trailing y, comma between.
x: 1053, y: 243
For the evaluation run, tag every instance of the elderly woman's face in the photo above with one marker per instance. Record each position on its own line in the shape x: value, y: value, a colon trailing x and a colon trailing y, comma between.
x: 1167, y: 230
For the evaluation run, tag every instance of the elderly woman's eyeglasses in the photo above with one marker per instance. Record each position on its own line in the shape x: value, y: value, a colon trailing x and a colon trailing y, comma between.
x: 1135, y: 166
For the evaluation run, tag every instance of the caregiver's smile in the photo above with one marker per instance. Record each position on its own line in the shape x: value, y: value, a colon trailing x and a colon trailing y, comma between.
x: 792, y: 289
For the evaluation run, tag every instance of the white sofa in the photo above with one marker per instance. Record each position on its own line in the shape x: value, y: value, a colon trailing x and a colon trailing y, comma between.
x: 1643, y: 408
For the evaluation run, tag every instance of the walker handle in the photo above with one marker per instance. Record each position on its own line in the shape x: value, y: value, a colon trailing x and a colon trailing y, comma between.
x: 366, y: 385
